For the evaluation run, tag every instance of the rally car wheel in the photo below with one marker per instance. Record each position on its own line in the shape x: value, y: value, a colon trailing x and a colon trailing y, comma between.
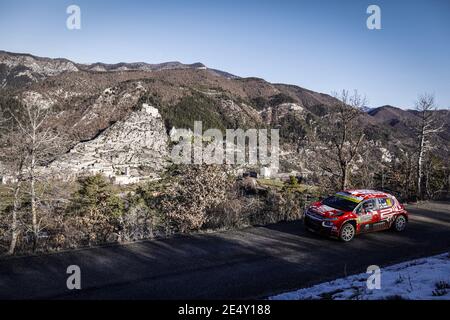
x: 400, y: 223
x: 347, y: 232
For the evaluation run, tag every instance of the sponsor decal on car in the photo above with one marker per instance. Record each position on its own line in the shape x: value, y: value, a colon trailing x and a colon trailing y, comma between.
x: 364, y: 218
x: 348, y: 196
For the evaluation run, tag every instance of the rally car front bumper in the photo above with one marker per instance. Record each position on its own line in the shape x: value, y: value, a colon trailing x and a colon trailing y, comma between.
x: 318, y: 224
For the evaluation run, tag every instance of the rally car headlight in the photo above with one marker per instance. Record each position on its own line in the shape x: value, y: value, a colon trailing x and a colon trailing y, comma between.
x: 327, y: 224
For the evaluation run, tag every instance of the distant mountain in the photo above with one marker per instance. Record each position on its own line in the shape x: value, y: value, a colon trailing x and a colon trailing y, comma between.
x: 18, y: 69
x: 138, y: 66
x: 394, y: 117
x: 366, y: 109
x: 94, y: 101
x: 402, y: 123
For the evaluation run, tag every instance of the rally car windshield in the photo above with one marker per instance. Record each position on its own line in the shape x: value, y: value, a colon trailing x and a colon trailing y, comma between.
x: 340, y: 203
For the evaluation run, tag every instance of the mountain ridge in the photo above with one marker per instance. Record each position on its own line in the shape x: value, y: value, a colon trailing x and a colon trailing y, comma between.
x: 24, y: 65
x: 87, y: 102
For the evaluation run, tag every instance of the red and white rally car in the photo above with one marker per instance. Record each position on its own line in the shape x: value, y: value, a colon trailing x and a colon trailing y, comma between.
x: 352, y: 212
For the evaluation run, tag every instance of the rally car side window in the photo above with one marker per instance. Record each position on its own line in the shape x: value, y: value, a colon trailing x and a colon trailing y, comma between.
x: 366, y: 207
x: 385, y: 203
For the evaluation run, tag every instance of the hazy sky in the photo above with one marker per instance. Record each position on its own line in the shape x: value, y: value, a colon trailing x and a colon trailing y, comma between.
x: 320, y: 45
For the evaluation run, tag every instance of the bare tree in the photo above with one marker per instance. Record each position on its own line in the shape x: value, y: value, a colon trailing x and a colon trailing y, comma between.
x: 13, y: 156
x: 16, y: 157
x: 36, y: 141
x: 427, y: 127
x: 343, y: 137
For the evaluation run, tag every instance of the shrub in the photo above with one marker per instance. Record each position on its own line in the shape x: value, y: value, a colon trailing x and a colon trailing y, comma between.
x: 293, y: 181
x: 95, y: 212
x: 138, y: 222
x: 229, y: 215
x: 194, y: 191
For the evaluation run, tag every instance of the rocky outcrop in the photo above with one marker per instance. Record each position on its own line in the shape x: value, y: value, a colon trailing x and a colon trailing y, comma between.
x: 128, y: 151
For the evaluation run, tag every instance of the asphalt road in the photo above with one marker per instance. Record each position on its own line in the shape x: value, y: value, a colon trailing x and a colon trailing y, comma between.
x: 251, y: 263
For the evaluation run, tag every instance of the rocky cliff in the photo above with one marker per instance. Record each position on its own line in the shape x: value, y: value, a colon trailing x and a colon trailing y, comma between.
x: 129, y: 150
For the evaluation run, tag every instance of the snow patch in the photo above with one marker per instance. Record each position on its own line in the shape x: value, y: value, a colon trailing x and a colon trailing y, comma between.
x: 421, y: 279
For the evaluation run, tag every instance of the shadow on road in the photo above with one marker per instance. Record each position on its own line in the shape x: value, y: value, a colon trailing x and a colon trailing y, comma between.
x: 249, y: 263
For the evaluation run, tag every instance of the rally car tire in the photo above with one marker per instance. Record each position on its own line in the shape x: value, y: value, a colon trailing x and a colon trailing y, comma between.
x: 347, y: 232
x: 399, y: 223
